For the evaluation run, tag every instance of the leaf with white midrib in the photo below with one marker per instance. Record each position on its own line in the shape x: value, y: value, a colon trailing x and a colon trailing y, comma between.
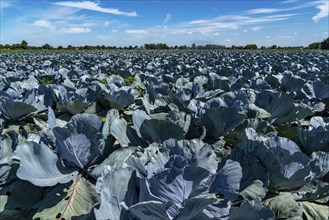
x: 68, y: 200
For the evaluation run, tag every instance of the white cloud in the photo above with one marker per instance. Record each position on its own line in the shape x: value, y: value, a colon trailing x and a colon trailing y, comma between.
x: 324, y: 10
x: 43, y: 23
x: 136, y: 31
x: 227, y: 40
x: 167, y: 18
x: 245, y: 31
x: 257, y: 28
x: 88, y: 5
x: 268, y: 37
x: 75, y: 30
x: 189, y: 33
x: 288, y: 1
x: 216, y: 34
x: 114, y: 31
x: 61, y: 13
x: 295, y: 33
x: 263, y: 11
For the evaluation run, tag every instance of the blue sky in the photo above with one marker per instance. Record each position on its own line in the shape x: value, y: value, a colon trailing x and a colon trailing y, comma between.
x: 124, y: 22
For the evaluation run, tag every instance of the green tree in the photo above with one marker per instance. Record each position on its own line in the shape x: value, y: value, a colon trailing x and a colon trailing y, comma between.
x: 46, y: 46
x: 273, y: 47
x: 315, y: 45
x: 24, y: 44
x: 325, y: 44
x: 15, y: 46
x: 60, y: 47
x: 250, y: 47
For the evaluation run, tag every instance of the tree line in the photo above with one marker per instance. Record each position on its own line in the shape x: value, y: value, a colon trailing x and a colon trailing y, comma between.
x: 324, y: 45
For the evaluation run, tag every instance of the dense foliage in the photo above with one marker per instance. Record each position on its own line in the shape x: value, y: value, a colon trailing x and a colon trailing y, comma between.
x: 324, y: 45
x: 164, y: 135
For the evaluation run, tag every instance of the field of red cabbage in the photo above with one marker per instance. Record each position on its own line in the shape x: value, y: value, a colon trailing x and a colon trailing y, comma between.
x: 159, y: 135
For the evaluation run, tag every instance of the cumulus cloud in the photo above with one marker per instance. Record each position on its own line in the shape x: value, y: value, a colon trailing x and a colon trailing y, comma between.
x: 257, y: 28
x: 93, y: 6
x: 75, y: 30
x: 43, y: 23
x: 136, y: 31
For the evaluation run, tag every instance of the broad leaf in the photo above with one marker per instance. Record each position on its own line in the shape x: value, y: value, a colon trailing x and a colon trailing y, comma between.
x: 154, y: 130
x: 14, y: 110
x: 40, y: 166
x: 227, y: 180
x: 19, y: 195
x: 218, y: 121
x: 67, y: 200
x: 285, y: 206
x: 251, y: 210
x: 117, y: 187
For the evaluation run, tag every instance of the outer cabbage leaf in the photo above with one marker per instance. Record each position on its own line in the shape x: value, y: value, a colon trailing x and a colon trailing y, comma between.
x: 115, y: 160
x: 119, y: 99
x: 316, y: 138
x: 218, y: 121
x: 227, y: 180
x: 126, y: 135
x: 252, y: 168
x: 250, y: 210
x: 281, y: 106
x: 285, y: 206
x: 315, y: 211
x: 19, y: 195
x: 40, y: 166
x: 139, y: 117
x: 177, y: 183
x: 155, y: 130
x: 73, y: 106
x: 14, y: 111
x: 255, y: 191
x: 287, y: 165
x: 115, y: 187
x: 149, y: 210
x: 193, y: 207
x: 67, y: 200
